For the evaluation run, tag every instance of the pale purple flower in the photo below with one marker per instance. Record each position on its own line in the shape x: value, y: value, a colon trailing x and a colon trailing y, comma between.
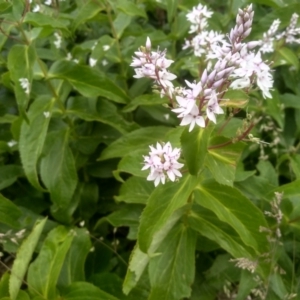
x: 213, y: 107
x: 193, y: 118
x: 163, y: 164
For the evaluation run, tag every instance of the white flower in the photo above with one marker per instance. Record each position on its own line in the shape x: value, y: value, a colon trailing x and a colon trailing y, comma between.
x: 48, y: 2
x: 36, y: 8
x: 104, y: 62
x: 213, y: 107
x: 105, y: 47
x: 24, y: 82
x: 193, y: 118
x: 92, y: 62
x: 58, y: 40
x: 12, y: 143
x: 162, y: 162
x: 46, y: 114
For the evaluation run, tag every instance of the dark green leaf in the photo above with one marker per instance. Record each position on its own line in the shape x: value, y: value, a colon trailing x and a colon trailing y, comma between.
x: 9, y: 213
x: 89, y: 82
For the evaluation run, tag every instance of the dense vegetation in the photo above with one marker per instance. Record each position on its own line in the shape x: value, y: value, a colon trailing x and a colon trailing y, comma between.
x: 211, y: 212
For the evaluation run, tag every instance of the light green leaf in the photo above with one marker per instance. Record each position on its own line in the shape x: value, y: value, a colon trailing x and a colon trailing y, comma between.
x: 145, y: 100
x: 235, y: 98
x: 85, y: 12
x: 235, y: 209
x: 290, y: 100
x: 20, y: 61
x: 214, y: 231
x: 295, y: 163
x: 222, y: 161
x: 133, y: 141
x: 120, y: 23
x: 43, y: 273
x: 288, y: 56
x: 131, y: 9
x: 58, y: 170
x: 172, y: 6
x: 275, y: 108
x: 23, y: 258
x: 135, y: 190
x: 86, y: 291
x: 9, y: 212
x: 194, y: 147
x: 43, y: 20
x: 33, y: 136
x: 172, y: 273
x: 163, y: 202
x: 139, y: 260
x: 89, y: 82
x: 74, y: 262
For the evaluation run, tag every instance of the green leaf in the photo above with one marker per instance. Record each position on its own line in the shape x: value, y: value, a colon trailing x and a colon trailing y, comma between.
x: 99, y: 110
x: 23, y: 258
x: 86, y: 291
x: 9, y: 174
x: 20, y: 61
x: 222, y: 161
x: 58, y: 170
x: 235, y: 98
x: 33, y: 136
x: 139, y: 260
x: 4, y: 284
x: 295, y: 163
x: 133, y: 141
x: 120, y: 23
x: 87, y: 81
x: 172, y: 273
x: 290, y: 100
x: 135, y: 190
x: 288, y: 56
x: 9, y: 213
x: 43, y: 20
x: 73, y: 267
x: 275, y: 108
x: 235, y: 209
x: 44, y: 272
x: 208, y: 227
x: 145, y: 100
x: 194, y: 147
x: 85, y: 12
x: 131, y: 9
x: 172, y: 6
x: 163, y: 202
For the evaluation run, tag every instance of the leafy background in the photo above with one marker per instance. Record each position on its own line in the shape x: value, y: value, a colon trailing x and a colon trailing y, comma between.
x: 71, y: 154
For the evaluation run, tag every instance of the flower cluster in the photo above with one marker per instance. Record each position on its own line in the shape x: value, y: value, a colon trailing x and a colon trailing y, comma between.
x: 163, y: 163
x: 154, y: 64
x: 204, y: 41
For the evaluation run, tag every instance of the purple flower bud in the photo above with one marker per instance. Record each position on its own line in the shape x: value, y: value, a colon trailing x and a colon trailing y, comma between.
x: 253, y: 44
x: 204, y: 77
x: 218, y: 83
x: 211, y: 76
x: 247, y: 32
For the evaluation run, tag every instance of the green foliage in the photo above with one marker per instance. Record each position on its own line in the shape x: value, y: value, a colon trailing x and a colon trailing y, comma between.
x: 79, y: 218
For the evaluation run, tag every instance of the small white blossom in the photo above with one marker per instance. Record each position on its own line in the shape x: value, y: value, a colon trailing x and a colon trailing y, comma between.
x: 46, y: 114
x: 69, y: 56
x: 12, y: 143
x: 36, y: 8
x: 106, y: 47
x: 58, y: 40
x: 24, y: 82
x: 104, y: 62
x: 48, y: 2
x: 162, y: 162
x: 213, y: 107
x: 92, y: 62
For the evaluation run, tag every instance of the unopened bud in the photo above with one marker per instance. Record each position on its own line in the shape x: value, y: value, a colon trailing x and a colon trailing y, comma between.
x: 148, y: 44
